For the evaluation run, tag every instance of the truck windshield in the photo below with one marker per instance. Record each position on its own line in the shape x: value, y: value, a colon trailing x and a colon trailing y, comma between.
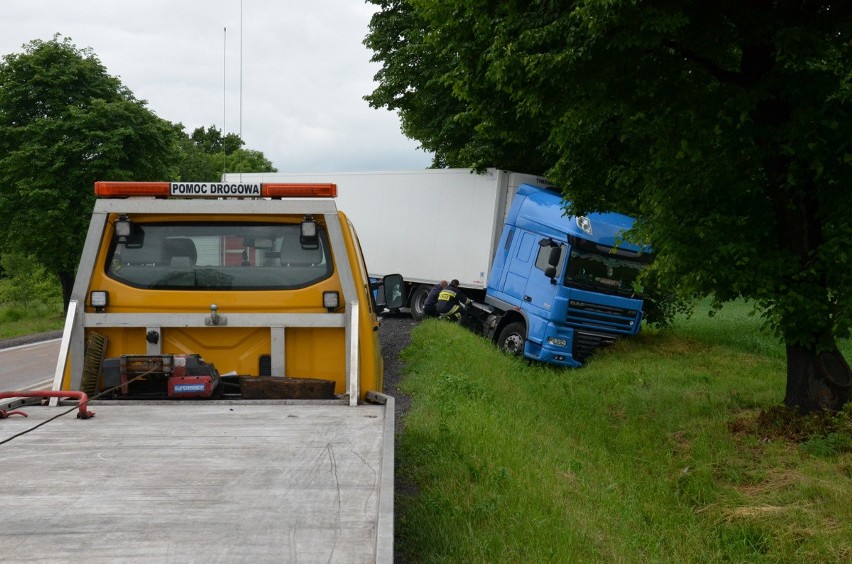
x: 604, y: 269
x: 218, y: 256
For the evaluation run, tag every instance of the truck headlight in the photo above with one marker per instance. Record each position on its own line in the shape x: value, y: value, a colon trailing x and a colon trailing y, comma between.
x: 557, y: 342
x: 584, y: 223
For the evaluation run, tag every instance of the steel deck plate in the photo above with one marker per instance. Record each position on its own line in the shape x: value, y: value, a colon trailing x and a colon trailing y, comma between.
x: 197, y: 482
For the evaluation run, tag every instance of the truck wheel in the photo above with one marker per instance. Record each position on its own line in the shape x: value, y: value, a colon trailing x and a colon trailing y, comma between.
x: 512, y: 338
x: 418, y: 298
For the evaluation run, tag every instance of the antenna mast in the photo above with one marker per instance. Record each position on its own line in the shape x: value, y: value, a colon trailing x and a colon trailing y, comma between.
x: 224, y: 98
x: 241, y: 70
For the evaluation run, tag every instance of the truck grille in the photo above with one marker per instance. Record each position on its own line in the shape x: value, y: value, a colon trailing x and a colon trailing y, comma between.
x: 597, y: 316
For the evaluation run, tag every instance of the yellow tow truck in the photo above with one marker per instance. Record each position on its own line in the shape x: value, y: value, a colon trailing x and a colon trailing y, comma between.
x: 224, y: 337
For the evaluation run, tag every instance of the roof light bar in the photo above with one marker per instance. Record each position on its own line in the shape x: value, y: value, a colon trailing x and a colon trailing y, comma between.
x: 130, y: 189
x: 300, y: 190
x: 109, y: 189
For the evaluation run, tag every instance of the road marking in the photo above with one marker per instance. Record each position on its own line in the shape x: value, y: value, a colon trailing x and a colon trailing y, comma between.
x: 43, y: 385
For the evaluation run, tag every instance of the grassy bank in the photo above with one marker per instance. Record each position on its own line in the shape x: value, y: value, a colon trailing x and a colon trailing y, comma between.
x: 17, y: 320
x: 652, y: 452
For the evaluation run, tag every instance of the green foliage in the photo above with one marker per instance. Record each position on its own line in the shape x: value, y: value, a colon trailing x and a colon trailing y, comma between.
x: 205, y: 155
x: 25, y: 282
x: 210, y: 141
x: 662, y: 303
x: 632, y: 458
x: 426, y: 73
x: 30, y: 297
x: 724, y: 127
x: 65, y: 123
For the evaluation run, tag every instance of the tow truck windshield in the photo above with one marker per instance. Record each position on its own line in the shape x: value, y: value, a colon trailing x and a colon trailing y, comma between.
x: 219, y: 256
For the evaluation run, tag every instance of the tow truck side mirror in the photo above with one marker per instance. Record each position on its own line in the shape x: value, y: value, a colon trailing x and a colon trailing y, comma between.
x: 393, y: 288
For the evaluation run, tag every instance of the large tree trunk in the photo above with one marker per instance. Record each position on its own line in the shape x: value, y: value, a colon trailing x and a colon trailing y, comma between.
x: 816, y: 382
x: 66, y: 279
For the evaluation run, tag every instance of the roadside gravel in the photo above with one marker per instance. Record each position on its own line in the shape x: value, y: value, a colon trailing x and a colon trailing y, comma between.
x: 28, y: 339
x: 395, y: 335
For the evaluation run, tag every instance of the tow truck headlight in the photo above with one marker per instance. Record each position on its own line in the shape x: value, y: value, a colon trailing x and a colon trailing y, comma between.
x: 330, y: 301
x: 99, y: 299
x: 557, y: 342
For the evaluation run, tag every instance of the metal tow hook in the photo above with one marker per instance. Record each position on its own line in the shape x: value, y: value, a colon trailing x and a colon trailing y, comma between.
x: 215, y: 318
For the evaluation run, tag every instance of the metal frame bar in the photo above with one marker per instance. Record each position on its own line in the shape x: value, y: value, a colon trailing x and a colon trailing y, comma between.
x: 78, y: 293
x: 200, y: 320
x: 353, y: 369
x: 222, y: 207
x: 350, y: 298
x: 59, y: 373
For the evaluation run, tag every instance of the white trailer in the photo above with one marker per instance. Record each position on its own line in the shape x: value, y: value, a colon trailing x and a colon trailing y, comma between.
x: 427, y: 225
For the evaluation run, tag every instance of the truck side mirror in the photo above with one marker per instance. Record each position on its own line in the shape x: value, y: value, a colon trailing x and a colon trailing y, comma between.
x: 394, y: 285
x: 555, y: 255
x: 553, y: 262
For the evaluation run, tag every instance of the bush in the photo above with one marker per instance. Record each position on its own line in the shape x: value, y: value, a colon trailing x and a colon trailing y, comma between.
x: 24, y: 282
x: 661, y: 302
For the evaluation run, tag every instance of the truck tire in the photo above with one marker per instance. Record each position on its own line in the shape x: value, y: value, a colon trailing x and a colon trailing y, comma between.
x: 512, y: 338
x: 418, y: 298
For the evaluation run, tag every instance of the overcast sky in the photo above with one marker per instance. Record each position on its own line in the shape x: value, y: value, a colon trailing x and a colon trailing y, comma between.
x: 304, y: 71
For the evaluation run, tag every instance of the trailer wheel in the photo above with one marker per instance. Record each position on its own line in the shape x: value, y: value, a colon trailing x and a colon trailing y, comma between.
x: 512, y: 338
x: 418, y: 298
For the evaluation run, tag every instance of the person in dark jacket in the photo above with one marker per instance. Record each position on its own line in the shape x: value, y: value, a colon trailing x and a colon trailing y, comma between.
x: 432, y: 299
x: 450, y: 301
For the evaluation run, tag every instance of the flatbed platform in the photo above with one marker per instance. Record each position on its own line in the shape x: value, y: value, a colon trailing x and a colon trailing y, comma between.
x: 224, y: 481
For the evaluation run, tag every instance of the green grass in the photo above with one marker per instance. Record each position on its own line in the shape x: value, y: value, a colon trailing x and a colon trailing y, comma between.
x: 652, y: 452
x: 17, y: 320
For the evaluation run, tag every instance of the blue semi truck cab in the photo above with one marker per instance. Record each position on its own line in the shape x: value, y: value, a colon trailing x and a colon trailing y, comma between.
x: 560, y: 286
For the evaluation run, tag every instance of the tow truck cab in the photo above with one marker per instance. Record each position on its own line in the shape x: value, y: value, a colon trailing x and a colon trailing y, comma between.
x: 257, y: 280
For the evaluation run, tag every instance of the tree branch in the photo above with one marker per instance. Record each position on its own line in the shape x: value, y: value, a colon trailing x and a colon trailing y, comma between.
x: 722, y: 75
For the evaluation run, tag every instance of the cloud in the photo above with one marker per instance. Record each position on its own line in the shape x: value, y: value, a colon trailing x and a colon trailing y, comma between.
x: 293, y: 84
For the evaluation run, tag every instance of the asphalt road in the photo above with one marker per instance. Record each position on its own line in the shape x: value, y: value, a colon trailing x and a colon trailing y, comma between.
x: 28, y: 366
